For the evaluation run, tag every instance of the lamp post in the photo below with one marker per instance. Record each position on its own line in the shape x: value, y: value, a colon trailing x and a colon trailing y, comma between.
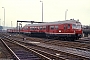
x: 4, y: 16
x: 42, y: 10
x: 0, y: 22
x: 66, y: 14
x: 11, y: 24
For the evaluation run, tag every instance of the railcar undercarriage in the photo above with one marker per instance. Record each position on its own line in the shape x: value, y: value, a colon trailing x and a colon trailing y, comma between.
x: 66, y: 37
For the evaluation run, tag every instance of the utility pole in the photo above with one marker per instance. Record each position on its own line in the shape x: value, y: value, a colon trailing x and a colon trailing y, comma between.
x: 66, y: 14
x: 11, y: 23
x: 42, y: 10
x: 0, y: 22
x: 4, y: 16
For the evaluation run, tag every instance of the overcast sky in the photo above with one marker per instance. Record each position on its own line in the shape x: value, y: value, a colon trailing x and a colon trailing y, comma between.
x: 53, y: 10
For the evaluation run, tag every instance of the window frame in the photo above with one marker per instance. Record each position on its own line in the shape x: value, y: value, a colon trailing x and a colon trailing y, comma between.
x: 52, y: 27
x: 40, y: 28
x: 56, y: 27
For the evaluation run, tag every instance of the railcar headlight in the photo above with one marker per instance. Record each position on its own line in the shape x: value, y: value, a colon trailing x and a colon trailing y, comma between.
x: 59, y: 30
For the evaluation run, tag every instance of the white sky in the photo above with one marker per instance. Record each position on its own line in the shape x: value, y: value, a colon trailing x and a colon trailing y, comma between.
x: 53, y: 10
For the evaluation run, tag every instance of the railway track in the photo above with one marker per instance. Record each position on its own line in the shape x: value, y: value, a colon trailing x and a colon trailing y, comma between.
x: 82, y: 45
x: 76, y: 44
x: 4, y: 53
x: 68, y: 56
x: 84, y: 40
x: 19, y: 52
x: 70, y: 44
x: 57, y: 42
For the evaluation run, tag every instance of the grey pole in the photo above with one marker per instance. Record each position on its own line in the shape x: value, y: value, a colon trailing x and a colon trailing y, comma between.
x: 0, y: 22
x: 11, y: 23
x: 4, y: 16
x: 42, y: 10
x: 66, y: 14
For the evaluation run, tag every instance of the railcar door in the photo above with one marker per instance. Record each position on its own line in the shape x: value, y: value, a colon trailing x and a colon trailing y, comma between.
x: 67, y: 28
x: 47, y: 28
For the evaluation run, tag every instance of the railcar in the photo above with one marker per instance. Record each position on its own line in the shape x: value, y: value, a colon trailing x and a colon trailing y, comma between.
x: 9, y: 30
x: 66, y: 30
x: 25, y: 30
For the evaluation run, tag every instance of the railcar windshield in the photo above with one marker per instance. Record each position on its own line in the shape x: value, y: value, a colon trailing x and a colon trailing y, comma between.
x: 76, y: 26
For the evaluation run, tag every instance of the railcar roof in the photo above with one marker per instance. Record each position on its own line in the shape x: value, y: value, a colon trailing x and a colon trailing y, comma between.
x: 51, y: 23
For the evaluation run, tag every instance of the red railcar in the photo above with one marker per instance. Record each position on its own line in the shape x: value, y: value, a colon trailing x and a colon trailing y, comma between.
x: 25, y: 30
x: 10, y: 30
x: 68, y: 29
x: 61, y: 29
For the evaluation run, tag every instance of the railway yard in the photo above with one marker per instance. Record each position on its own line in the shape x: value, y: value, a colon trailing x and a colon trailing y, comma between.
x: 24, y: 37
x: 22, y: 47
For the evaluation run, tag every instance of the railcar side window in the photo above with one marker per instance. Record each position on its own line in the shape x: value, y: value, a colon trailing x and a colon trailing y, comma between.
x: 44, y: 27
x: 40, y: 28
x: 31, y: 28
x: 68, y: 26
x: 56, y: 27
x: 35, y: 28
x: 52, y: 27
x: 74, y: 26
x: 65, y: 27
